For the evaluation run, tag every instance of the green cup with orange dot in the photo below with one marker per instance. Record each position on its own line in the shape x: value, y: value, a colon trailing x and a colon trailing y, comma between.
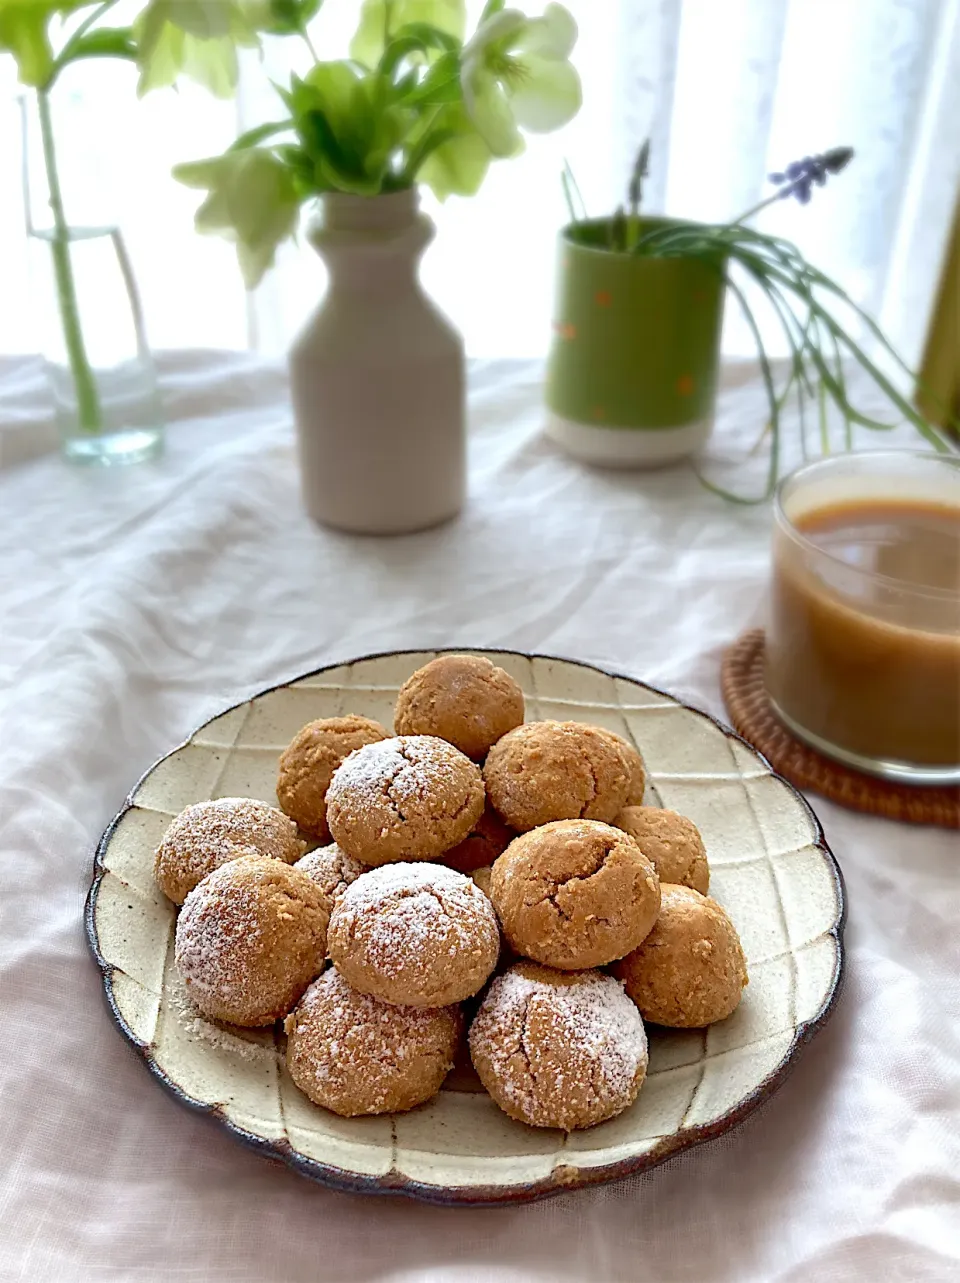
x: 634, y: 362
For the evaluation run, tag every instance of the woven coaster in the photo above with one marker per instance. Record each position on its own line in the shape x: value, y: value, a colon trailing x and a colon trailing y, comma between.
x: 741, y: 681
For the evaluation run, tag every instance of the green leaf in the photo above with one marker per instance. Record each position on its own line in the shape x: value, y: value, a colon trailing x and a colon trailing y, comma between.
x: 328, y: 157
x: 24, y: 32
x: 332, y: 85
x: 440, y: 85
x: 641, y: 170
x: 257, y: 135
x: 282, y: 17
x: 419, y: 153
x: 103, y: 42
x: 302, y: 168
x: 350, y: 124
x: 416, y: 38
x: 618, y: 231
x: 820, y: 348
x: 381, y: 20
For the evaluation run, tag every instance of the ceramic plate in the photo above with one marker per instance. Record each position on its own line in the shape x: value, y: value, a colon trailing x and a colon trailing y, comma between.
x: 769, y: 867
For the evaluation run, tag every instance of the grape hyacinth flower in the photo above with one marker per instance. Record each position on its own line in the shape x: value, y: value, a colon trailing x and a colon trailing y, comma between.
x: 800, y: 175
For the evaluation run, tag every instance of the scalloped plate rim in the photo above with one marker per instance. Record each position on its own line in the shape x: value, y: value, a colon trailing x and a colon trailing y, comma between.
x: 563, y: 1178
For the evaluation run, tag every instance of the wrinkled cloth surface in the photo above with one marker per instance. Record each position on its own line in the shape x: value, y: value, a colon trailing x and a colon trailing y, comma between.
x: 137, y: 603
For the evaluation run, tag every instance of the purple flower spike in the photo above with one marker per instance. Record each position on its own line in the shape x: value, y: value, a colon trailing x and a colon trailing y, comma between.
x: 800, y: 175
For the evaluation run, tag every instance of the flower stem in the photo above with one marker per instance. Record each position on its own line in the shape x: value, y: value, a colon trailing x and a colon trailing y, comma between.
x: 770, y: 200
x: 88, y: 400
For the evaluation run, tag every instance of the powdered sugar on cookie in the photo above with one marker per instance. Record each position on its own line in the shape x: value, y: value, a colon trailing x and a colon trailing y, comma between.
x: 415, y: 934
x: 356, y: 1055
x: 412, y: 797
x: 557, y: 1049
x: 209, y: 834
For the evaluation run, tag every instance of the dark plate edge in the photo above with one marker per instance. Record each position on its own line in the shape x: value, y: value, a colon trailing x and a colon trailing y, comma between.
x: 480, y: 1195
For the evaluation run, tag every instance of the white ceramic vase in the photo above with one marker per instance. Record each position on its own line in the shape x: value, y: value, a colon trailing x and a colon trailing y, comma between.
x: 377, y: 376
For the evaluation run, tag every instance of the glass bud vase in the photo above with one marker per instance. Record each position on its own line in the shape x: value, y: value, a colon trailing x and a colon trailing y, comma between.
x: 89, y: 315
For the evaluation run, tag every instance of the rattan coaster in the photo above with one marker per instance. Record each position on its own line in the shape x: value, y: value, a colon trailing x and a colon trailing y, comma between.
x: 741, y: 681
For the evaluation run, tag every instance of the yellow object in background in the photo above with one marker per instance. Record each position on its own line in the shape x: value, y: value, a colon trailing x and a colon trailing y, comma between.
x: 938, y: 393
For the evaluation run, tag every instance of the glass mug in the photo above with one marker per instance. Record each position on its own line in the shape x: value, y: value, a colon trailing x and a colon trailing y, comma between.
x: 863, y: 644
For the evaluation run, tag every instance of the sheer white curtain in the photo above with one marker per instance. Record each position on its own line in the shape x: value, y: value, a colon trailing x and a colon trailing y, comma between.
x: 727, y: 90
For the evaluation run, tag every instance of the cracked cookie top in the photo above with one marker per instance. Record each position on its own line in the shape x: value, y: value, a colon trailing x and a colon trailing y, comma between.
x: 308, y: 762
x: 419, y: 935
x: 207, y: 834
x: 355, y: 1055
x: 249, y: 940
x: 575, y: 894
x: 545, y: 771
x: 412, y: 797
x: 462, y: 698
x: 558, y: 1049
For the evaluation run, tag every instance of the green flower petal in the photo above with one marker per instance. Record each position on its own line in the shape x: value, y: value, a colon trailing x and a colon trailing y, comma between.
x: 552, y: 36
x: 489, y: 109
x: 252, y: 200
x: 548, y: 97
x: 208, y: 19
x: 161, y: 53
x: 515, y: 72
x: 380, y: 19
x: 197, y: 38
x: 499, y: 30
x: 459, y: 166
x: 213, y: 64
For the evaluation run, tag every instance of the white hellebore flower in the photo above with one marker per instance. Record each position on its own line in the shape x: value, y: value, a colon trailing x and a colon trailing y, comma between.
x: 252, y: 200
x: 516, y: 72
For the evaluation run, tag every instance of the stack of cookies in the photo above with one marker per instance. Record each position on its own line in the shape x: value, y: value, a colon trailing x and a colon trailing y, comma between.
x: 473, y: 870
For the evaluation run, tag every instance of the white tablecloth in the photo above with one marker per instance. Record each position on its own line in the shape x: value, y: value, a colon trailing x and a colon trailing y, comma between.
x: 136, y: 603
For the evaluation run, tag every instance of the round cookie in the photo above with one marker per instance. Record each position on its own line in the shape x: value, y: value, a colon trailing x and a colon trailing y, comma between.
x: 638, y: 773
x: 332, y: 870
x: 690, y: 971
x: 417, y: 935
x: 558, y: 1048
x: 547, y: 771
x: 575, y: 894
x: 249, y: 940
x: 671, y: 841
x: 461, y: 698
x: 355, y: 1055
x: 308, y: 762
x: 208, y: 834
x: 489, y: 839
x: 412, y: 797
